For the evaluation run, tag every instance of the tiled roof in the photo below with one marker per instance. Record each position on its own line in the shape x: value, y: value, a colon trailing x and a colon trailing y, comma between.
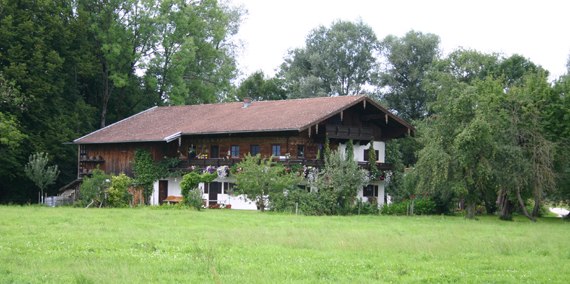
x: 167, y: 123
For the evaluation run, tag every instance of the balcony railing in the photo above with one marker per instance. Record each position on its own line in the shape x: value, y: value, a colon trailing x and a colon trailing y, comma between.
x: 203, y: 163
x: 349, y: 132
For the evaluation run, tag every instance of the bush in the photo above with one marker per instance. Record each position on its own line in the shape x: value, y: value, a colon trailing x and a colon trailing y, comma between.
x: 92, y: 188
x: 194, y: 198
x: 119, y: 195
x: 422, y: 206
x: 323, y: 202
x: 365, y: 208
x: 398, y: 208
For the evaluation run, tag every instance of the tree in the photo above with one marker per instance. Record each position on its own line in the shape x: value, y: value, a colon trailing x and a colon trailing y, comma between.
x: 194, y: 57
x: 339, y: 60
x: 259, y: 88
x: 10, y: 129
x: 487, y: 136
x: 557, y: 126
x: 122, y: 35
x: 402, y: 82
x: 343, y: 177
x: 260, y: 178
x: 74, y: 66
x: 374, y: 171
x: 39, y: 61
x: 40, y: 173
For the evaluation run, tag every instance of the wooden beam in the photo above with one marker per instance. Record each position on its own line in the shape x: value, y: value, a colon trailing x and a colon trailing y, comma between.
x: 309, y: 131
x: 372, y: 117
x: 341, y: 115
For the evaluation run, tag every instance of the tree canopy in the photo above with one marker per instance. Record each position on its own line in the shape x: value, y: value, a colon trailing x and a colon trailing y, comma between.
x: 70, y: 67
x: 337, y: 60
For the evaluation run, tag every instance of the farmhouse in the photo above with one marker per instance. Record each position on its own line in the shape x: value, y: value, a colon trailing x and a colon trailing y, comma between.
x: 217, y: 136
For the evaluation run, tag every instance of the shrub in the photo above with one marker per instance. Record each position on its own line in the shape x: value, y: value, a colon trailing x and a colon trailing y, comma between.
x: 422, y: 206
x: 324, y: 202
x: 365, y: 208
x: 118, y: 193
x: 398, y: 208
x: 92, y: 188
x: 194, y: 198
x: 189, y: 185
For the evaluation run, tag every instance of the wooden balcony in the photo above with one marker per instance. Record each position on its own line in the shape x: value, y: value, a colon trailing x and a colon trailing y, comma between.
x: 203, y: 163
x: 349, y: 132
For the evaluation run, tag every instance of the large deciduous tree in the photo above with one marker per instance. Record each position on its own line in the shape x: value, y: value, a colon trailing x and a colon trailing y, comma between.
x: 402, y: 81
x: 259, y: 88
x: 38, y: 58
x: 337, y: 60
x: 80, y: 65
x: 487, y: 136
x: 194, y: 57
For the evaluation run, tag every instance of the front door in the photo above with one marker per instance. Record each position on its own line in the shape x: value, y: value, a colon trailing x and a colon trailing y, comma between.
x: 215, y: 189
x: 162, y: 191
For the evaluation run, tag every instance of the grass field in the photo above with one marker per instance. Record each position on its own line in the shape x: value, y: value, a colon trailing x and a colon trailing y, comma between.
x: 73, y: 245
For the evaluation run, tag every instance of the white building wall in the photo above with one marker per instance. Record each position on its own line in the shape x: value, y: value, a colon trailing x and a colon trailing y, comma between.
x: 380, y: 146
x: 237, y: 201
x: 241, y: 202
x: 381, y: 192
x: 173, y: 189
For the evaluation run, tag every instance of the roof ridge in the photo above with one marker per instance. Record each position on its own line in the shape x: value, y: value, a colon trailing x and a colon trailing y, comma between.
x: 265, y: 101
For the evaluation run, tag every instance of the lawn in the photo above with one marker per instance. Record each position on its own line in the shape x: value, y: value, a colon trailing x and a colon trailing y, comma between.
x: 74, y: 245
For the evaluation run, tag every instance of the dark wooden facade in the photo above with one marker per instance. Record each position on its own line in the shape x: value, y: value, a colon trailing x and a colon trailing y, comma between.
x: 359, y: 123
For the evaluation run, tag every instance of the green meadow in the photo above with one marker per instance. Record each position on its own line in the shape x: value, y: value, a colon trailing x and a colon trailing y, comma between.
x: 75, y: 245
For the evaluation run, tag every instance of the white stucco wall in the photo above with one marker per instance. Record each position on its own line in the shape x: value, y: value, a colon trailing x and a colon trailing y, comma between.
x: 237, y: 201
x: 381, y: 192
x: 380, y: 146
x: 173, y: 189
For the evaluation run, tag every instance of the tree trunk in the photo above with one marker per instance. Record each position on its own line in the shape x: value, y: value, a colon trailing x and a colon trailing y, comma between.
x: 107, y: 89
x: 536, y: 209
x: 470, y: 210
x: 523, y: 208
x: 505, y: 206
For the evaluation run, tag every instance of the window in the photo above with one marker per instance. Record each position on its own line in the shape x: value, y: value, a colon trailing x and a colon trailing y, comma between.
x: 276, y: 150
x: 234, y: 151
x: 254, y: 150
x: 301, y: 151
x: 370, y: 191
x: 366, y: 153
x: 215, y: 151
x: 192, y: 151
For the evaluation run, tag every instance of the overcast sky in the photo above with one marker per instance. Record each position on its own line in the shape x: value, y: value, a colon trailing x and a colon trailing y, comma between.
x: 538, y: 30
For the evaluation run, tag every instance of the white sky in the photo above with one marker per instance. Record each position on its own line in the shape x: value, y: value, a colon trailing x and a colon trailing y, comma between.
x: 538, y: 30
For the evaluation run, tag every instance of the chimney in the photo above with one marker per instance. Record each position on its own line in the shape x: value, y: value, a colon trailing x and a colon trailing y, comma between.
x: 246, y: 102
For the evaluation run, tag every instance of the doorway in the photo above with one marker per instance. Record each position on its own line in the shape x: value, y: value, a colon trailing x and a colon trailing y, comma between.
x: 162, y: 191
x: 214, y: 190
